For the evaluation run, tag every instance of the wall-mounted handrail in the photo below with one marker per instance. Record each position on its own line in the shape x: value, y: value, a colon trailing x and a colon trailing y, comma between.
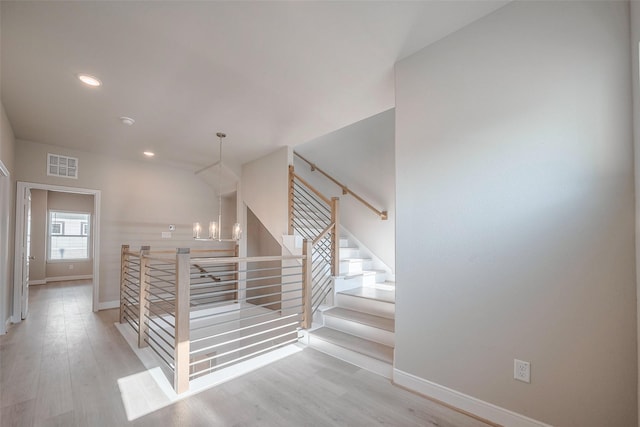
x: 345, y: 190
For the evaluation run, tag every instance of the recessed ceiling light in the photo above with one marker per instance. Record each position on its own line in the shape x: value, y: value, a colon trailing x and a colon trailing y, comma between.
x: 127, y: 120
x: 89, y: 80
x: 149, y: 153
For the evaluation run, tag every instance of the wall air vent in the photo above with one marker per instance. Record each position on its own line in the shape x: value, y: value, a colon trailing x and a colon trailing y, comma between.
x: 63, y: 166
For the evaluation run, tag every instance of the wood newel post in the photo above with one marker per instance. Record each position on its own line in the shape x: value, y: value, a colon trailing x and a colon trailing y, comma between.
x: 143, y: 303
x: 124, y: 270
x: 182, y: 338
x: 335, y: 236
x: 291, y: 198
x: 307, y: 286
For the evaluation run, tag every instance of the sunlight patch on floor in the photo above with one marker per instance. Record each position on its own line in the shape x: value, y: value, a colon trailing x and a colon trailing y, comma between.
x: 150, y: 390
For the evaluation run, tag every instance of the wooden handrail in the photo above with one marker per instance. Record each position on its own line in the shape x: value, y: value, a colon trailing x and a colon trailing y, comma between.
x: 310, y: 187
x: 345, y: 189
x: 324, y: 233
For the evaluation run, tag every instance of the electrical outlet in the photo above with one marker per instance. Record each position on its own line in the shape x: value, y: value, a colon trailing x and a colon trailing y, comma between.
x: 522, y: 370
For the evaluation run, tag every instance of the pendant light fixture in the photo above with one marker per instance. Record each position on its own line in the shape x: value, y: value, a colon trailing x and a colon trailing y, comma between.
x: 215, y: 227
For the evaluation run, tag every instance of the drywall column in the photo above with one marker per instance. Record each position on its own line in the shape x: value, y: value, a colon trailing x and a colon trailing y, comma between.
x: 265, y: 190
x: 515, y: 214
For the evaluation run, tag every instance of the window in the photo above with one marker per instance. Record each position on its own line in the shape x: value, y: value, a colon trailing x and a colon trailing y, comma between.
x: 68, y: 236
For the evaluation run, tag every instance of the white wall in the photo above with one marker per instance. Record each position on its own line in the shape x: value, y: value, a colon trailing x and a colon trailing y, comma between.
x: 139, y: 200
x: 515, y: 212
x: 7, y: 220
x: 361, y: 156
x: 265, y: 190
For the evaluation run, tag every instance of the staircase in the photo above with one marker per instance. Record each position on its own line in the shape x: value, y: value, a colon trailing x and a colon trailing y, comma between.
x: 360, y: 327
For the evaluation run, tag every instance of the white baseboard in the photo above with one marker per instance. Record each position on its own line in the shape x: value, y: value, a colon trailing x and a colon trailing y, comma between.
x: 7, y: 323
x: 464, y: 402
x: 37, y: 282
x: 69, y: 278
x: 108, y: 305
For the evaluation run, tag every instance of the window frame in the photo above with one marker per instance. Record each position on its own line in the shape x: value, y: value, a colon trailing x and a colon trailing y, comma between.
x: 84, y: 226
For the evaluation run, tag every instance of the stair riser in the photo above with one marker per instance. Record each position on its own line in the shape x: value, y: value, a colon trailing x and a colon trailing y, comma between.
x: 366, y: 305
x: 354, y: 266
x: 369, y: 363
x: 358, y: 329
x: 349, y: 253
x: 341, y: 284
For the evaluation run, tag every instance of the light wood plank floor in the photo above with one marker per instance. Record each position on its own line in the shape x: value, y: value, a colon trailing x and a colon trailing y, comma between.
x: 60, y: 368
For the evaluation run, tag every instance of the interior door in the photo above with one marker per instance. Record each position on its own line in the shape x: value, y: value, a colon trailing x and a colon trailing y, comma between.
x: 26, y: 253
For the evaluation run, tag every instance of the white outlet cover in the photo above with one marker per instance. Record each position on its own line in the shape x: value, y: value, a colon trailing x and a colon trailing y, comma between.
x: 522, y: 371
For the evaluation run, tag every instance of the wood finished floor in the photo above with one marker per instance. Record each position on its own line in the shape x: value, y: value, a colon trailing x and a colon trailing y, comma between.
x: 60, y: 368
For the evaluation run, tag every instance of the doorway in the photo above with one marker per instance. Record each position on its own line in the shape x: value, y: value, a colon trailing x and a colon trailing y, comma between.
x: 21, y: 264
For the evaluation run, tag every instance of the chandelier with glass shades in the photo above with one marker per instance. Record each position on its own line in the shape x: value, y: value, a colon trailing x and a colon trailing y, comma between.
x: 215, y: 232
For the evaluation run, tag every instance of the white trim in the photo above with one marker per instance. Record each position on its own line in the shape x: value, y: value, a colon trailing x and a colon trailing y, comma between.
x: 67, y: 278
x: 19, y: 230
x: 464, y: 402
x: 37, y: 282
x: 7, y: 323
x: 108, y: 305
x: 4, y: 246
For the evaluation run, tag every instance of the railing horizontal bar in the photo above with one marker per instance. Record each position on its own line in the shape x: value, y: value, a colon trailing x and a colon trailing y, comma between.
x: 242, y: 338
x: 244, y: 328
x: 318, y: 305
x: 244, y: 309
x: 316, y: 211
x: 171, y: 345
x: 161, y: 317
x: 310, y: 187
x: 157, y: 304
x: 236, y: 350
x: 171, y: 326
x: 159, y: 346
x: 249, y: 259
x: 160, y: 259
x: 131, y: 311
x: 222, y: 365
x: 133, y: 324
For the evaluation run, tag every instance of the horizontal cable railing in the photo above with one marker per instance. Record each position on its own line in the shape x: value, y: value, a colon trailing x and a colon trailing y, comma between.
x: 314, y: 217
x: 345, y: 190
x: 201, y: 314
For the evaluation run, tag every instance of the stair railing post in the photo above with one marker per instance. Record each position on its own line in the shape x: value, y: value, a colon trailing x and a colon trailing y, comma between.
x: 307, y: 286
x: 143, y: 302
x: 124, y: 270
x: 335, y: 236
x: 182, y: 338
x: 291, y: 197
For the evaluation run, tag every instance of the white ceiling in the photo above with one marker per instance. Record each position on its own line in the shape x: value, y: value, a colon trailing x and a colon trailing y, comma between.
x: 267, y: 73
